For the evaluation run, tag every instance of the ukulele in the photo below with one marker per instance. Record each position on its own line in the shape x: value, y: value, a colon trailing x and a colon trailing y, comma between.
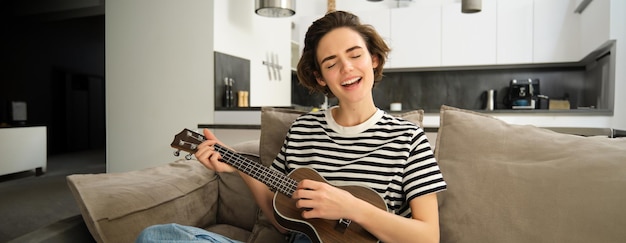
x: 285, y: 210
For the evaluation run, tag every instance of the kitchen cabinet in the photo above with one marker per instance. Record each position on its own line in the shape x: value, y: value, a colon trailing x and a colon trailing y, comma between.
x: 416, y: 36
x: 23, y: 148
x: 380, y: 20
x: 514, y: 35
x: 302, y: 25
x: 468, y: 39
x: 437, y: 34
x: 594, y: 25
x: 556, y: 32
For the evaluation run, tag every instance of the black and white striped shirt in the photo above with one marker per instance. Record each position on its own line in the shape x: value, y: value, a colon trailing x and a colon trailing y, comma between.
x: 385, y: 153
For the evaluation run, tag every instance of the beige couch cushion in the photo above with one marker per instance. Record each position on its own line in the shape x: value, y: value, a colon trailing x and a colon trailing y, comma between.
x: 117, y: 206
x: 275, y: 123
x: 513, y: 183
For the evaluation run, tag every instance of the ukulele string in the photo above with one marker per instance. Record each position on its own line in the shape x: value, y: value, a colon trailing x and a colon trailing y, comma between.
x: 272, y: 178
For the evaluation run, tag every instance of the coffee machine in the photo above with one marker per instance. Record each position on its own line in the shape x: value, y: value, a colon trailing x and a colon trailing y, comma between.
x: 523, y: 94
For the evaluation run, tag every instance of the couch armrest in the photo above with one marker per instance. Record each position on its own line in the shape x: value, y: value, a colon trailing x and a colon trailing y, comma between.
x: 117, y: 206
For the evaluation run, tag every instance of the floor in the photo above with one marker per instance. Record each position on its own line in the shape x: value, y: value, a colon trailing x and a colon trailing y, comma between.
x: 29, y: 202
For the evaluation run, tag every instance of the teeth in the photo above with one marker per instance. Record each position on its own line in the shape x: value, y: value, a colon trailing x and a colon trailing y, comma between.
x: 354, y: 80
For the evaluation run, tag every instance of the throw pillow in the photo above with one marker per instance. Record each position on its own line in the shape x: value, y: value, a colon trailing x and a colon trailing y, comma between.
x: 521, y: 183
x: 275, y: 123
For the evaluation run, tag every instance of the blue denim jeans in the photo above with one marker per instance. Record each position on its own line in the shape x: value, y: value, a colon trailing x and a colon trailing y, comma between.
x: 174, y: 233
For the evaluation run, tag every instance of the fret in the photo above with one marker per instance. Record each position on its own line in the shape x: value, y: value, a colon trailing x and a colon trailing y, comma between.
x: 189, y: 141
x: 267, y: 176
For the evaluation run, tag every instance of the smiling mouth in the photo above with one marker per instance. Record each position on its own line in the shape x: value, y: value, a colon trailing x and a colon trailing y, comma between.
x: 351, y: 82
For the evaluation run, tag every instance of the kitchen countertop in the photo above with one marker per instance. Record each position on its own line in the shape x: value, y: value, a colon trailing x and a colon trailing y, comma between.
x: 590, y: 112
x: 584, y: 131
x: 249, y: 118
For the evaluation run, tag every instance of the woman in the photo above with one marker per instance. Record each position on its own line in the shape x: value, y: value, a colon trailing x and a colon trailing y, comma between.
x: 352, y: 143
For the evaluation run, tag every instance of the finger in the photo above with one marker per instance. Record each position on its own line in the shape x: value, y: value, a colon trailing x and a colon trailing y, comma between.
x: 303, y: 193
x: 305, y: 203
x: 209, y: 135
x: 205, y: 157
x: 311, y: 213
x: 207, y: 144
x: 306, y: 184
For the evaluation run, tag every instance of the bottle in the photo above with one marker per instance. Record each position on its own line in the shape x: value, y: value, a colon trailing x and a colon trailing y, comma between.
x: 231, y: 96
x: 490, y: 100
x: 228, y: 92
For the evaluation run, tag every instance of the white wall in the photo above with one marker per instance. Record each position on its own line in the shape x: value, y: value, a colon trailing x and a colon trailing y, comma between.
x: 159, y: 72
x: 239, y: 32
x: 618, y: 32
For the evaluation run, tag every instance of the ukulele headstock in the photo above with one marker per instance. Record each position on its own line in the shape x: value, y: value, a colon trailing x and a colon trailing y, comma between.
x: 188, y: 141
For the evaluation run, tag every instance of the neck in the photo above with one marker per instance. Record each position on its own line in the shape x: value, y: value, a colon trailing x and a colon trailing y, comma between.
x: 346, y: 115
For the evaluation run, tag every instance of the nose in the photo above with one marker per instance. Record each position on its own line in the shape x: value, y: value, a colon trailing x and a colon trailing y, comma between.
x: 346, y: 65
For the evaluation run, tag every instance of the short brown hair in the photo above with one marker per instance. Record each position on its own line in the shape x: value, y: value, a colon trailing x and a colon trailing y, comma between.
x: 308, y: 68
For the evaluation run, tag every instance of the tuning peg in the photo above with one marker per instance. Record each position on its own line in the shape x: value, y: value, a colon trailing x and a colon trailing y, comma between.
x: 177, y: 153
x: 188, y: 156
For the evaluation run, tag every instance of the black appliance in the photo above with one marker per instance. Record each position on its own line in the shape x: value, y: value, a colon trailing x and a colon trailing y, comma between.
x: 524, y: 94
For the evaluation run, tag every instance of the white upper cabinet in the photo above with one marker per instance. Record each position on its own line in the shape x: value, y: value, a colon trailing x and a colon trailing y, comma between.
x: 556, y: 32
x: 379, y: 19
x: 468, y: 39
x: 416, y: 36
x: 302, y: 24
x: 429, y: 33
x: 514, y: 32
x: 594, y: 26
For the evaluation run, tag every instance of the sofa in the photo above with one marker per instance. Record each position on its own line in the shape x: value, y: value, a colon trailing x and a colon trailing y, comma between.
x: 506, y: 183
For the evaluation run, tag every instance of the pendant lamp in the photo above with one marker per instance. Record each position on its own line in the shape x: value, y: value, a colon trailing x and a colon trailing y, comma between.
x: 275, y: 8
x: 471, y: 6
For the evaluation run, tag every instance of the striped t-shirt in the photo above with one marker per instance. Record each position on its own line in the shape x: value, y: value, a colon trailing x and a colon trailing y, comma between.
x: 387, y: 154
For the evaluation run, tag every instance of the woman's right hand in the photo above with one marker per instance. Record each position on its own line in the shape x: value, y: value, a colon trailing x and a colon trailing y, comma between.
x: 210, y: 158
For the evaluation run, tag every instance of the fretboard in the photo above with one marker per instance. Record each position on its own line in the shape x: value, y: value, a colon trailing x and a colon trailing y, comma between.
x: 272, y: 178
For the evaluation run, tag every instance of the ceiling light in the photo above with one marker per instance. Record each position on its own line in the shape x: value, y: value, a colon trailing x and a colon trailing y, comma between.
x: 471, y: 6
x: 275, y: 8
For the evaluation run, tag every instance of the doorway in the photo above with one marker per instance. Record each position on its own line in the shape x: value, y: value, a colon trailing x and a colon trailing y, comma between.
x: 78, y: 118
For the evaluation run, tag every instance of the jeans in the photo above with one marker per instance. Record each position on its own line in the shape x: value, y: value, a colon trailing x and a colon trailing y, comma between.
x: 179, y: 233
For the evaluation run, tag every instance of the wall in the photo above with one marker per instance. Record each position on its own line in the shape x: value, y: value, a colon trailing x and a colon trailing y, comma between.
x: 159, y: 59
x: 428, y: 90
x: 241, y: 33
x: 618, y: 32
x: 160, y: 70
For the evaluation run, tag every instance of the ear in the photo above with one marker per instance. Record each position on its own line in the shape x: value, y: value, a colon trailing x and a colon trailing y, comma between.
x: 374, y: 61
x: 320, y: 79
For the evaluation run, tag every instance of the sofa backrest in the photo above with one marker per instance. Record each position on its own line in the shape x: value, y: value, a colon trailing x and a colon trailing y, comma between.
x: 236, y: 203
x: 521, y: 183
